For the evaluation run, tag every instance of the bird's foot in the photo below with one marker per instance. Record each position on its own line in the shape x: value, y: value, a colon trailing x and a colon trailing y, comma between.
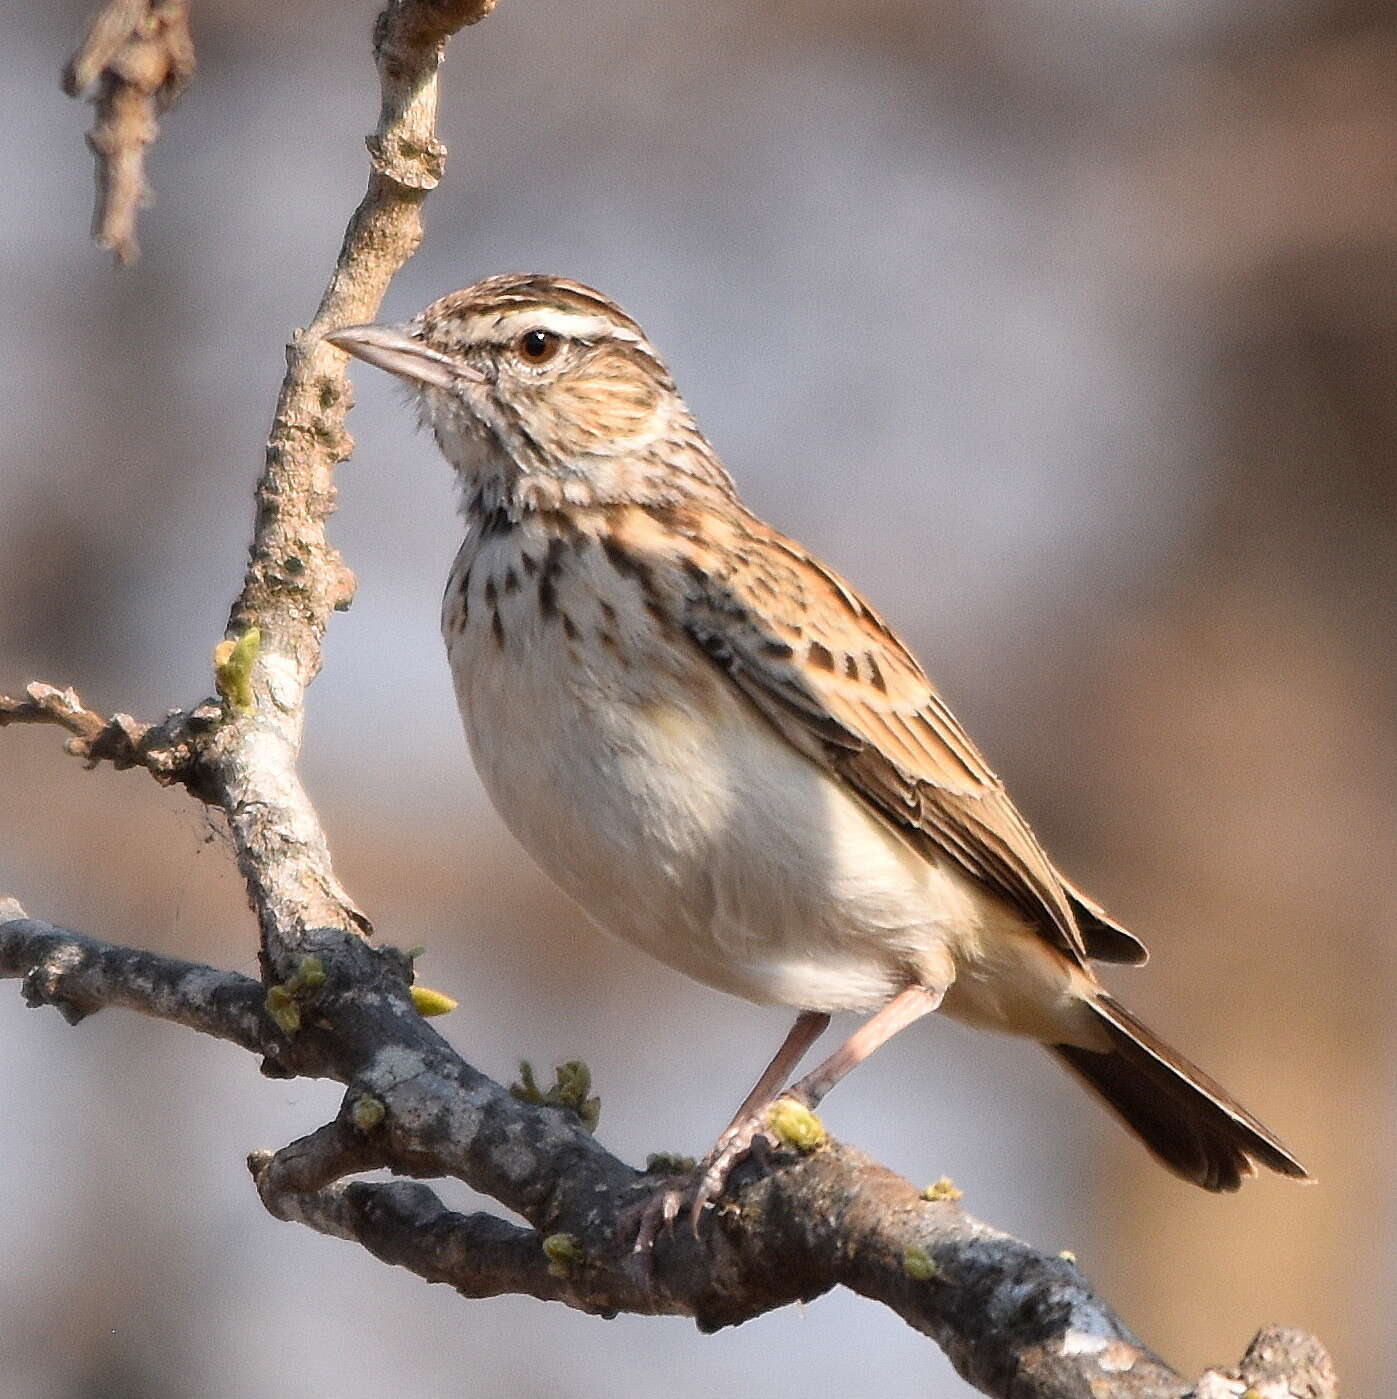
x: 695, y: 1190
x: 746, y: 1135
x: 655, y: 1215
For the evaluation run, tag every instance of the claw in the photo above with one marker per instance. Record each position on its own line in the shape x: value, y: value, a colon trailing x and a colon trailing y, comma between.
x: 656, y: 1215
x: 670, y: 1202
x: 699, y: 1189
x: 708, y: 1187
x: 729, y: 1150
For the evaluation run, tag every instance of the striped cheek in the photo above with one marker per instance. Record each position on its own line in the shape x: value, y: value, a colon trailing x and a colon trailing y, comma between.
x: 607, y: 407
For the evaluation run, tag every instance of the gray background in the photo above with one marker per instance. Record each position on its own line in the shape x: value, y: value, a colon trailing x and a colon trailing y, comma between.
x: 1067, y: 330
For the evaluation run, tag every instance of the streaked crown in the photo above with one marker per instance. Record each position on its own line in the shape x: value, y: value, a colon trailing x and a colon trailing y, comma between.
x: 494, y: 312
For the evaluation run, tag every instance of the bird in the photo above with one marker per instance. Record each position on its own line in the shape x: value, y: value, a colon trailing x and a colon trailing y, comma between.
x: 720, y: 750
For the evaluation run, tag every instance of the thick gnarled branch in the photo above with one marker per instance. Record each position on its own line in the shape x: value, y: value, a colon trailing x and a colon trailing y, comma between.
x: 1014, y: 1321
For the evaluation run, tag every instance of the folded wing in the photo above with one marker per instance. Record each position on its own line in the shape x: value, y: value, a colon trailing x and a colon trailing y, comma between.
x: 827, y: 671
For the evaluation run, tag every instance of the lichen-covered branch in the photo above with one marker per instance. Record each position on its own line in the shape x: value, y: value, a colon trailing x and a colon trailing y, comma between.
x: 79, y: 975
x: 137, y: 58
x: 1014, y: 1321
x: 404, y: 1223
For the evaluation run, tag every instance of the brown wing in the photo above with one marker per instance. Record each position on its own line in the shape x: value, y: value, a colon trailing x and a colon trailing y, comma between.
x: 827, y: 671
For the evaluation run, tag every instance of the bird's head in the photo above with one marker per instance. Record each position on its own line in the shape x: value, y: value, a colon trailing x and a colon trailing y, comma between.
x: 543, y: 390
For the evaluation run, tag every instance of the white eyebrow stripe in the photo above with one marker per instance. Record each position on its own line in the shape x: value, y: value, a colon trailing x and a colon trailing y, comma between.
x: 571, y: 325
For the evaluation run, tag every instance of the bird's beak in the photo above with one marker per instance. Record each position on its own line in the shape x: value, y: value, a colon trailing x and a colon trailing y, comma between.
x: 388, y: 348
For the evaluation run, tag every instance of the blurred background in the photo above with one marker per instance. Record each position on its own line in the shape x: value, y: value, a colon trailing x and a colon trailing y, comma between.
x: 1066, y: 328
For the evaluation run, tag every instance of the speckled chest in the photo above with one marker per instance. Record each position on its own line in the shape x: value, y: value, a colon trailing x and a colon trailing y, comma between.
x: 644, y: 782
x: 588, y: 713
x: 548, y: 604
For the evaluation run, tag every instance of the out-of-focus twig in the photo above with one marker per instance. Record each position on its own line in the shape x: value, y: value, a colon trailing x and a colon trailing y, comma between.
x: 137, y: 58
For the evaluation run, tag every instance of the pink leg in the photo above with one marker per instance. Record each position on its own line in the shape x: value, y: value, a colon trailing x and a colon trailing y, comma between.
x: 908, y: 1005
x: 809, y: 1026
x: 898, y: 1014
x: 712, y: 1174
x: 665, y: 1206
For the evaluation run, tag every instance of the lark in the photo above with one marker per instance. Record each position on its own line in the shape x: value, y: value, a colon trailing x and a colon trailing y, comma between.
x: 724, y: 754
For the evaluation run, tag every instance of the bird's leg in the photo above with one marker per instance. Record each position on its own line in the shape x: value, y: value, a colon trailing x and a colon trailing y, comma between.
x: 809, y: 1026
x: 663, y: 1207
x: 908, y: 1005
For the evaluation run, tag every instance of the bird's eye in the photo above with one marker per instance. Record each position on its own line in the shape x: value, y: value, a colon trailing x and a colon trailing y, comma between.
x: 539, y: 346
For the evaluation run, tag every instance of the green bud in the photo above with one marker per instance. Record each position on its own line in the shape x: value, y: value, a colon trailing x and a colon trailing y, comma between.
x: 281, y: 1006
x: 668, y: 1163
x: 572, y: 1082
x: 232, y: 670
x: 563, y: 1252
x: 527, y: 1089
x: 795, y: 1125
x: 367, y: 1112
x: 429, y: 1002
x: 943, y: 1190
x: 310, y: 975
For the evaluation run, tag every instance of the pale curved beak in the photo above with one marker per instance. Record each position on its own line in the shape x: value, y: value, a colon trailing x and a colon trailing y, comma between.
x: 386, y: 347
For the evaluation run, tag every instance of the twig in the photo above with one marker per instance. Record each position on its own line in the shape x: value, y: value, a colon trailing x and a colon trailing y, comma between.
x: 45, y: 704
x: 163, y: 749
x: 139, y: 57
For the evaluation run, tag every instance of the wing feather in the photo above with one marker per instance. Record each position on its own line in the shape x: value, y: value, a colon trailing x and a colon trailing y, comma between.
x: 828, y: 672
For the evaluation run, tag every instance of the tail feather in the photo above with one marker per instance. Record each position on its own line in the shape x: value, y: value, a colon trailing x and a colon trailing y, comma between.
x: 1194, y: 1126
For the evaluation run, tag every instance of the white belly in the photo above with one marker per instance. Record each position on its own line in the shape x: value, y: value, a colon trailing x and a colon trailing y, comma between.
x: 650, y: 790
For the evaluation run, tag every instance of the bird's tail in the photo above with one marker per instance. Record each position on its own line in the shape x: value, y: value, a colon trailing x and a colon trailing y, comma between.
x: 1192, y: 1125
